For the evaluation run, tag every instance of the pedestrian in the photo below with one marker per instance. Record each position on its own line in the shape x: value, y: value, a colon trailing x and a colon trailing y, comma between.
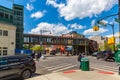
x: 36, y: 56
x: 80, y: 56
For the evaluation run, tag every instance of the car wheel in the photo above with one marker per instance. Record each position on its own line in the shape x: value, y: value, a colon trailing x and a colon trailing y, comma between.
x: 97, y: 58
x: 26, y: 74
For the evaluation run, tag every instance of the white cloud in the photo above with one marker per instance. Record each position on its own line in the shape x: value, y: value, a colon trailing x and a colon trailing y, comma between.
x: 55, y: 29
x: 81, y: 8
x: 93, y: 22
x: 29, y: 7
x: 116, y: 34
x: 32, y: 0
x: 38, y: 14
x: 91, y: 32
x: 76, y: 26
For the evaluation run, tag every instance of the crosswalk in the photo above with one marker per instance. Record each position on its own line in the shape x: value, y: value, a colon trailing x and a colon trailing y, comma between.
x: 104, y: 67
x: 58, y: 67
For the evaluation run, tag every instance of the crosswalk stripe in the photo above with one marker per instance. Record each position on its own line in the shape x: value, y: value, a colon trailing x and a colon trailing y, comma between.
x: 98, y: 68
x: 64, y: 68
x: 55, y: 65
x: 59, y: 67
x: 104, y: 67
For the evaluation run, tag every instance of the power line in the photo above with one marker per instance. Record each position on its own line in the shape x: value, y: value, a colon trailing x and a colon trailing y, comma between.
x: 104, y: 8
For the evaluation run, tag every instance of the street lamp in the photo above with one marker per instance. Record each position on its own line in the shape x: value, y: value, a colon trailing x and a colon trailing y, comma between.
x: 103, y: 23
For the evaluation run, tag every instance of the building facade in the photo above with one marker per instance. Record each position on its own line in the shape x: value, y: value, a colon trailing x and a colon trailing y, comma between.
x: 79, y: 43
x: 7, y: 39
x: 100, y: 40
x: 73, y: 34
x: 18, y: 15
x: 15, y: 17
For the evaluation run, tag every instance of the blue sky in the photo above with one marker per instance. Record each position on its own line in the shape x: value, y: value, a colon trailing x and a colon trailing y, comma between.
x: 62, y: 16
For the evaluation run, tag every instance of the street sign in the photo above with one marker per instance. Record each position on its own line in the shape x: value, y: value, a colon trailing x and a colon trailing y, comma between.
x: 117, y: 20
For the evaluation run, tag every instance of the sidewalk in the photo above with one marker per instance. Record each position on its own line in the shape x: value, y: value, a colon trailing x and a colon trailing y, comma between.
x: 79, y: 75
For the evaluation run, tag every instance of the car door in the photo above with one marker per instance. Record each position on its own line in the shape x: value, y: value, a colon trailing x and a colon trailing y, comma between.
x: 14, y: 65
x: 4, y: 68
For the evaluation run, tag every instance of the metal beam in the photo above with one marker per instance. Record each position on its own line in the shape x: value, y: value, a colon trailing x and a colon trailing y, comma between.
x: 119, y: 17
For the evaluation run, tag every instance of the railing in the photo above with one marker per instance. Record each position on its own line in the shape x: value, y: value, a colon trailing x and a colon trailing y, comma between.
x: 6, y: 20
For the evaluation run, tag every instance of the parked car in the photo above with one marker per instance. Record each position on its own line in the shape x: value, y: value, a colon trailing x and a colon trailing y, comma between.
x: 95, y: 53
x: 52, y: 52
x: 106, y: 55
x: 16, y: 66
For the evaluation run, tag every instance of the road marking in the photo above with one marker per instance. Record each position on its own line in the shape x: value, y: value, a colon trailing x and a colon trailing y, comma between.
x: 60, y: 67
x: 64, y: 68
x: 69, y: 71
x: 55, y: 65
x: 103, y: 67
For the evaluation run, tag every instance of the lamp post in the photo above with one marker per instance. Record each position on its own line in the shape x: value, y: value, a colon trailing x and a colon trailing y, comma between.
x: 112, y: 26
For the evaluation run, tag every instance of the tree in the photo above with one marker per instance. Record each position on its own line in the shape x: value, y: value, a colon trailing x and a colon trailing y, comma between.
x: 37, y: 48
x: 26, y: 47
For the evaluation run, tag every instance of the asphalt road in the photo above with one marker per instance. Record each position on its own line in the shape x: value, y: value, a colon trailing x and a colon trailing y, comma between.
x: 64, y: 63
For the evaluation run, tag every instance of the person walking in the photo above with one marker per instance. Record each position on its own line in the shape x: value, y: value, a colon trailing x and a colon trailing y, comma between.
x: 80, y: 56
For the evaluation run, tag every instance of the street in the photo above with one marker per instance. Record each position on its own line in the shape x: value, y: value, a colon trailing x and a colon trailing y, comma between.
x: 63, y: 63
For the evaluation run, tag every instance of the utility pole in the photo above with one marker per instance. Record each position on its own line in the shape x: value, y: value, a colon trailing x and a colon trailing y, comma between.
x: 119, y: 18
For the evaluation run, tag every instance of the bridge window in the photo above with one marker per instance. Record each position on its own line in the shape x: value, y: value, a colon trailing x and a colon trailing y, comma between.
x: 34, y: 39
x: 48, y: 39
x: 26, y: 39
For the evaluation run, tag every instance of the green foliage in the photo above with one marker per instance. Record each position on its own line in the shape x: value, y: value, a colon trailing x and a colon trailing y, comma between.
x: 37, y: 48
x: 26, y: 47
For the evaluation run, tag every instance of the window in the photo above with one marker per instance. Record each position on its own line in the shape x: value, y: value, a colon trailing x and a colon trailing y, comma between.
x: 13, y: 60
x: 26, y: 39
x: 4, y: 50
x: 0, y: 32
x: 11, y: 17
x: 6, y: 16
x: 1, y: 14
x: 5, y: 33
x: 3, y: 62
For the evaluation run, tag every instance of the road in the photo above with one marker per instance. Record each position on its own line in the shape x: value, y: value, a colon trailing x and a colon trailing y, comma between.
x: 64, y: 63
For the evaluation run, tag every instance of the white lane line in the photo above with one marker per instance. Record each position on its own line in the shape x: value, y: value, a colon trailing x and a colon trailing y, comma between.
x: 60, y: 67
x: 98, y: 68
x: 55, y: 65
x: 103, y: 68
x: 64, y: 68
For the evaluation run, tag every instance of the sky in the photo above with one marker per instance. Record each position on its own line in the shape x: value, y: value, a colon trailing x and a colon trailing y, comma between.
x: 57, y: 17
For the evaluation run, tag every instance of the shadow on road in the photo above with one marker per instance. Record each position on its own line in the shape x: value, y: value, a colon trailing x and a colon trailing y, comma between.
x: 34, y: 75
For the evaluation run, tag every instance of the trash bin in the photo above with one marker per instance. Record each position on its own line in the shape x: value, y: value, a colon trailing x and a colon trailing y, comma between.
x: 117, y: 54
x: 84, y: 64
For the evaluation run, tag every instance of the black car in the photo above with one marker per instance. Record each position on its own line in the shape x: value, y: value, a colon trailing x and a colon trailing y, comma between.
x: 106, y: 55
x: 21, y: 66
x: 53, y: 52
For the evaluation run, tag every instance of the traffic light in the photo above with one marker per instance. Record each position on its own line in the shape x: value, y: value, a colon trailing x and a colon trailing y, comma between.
x: 95, y: 28
x: 111, y: 40
x: 117, y: 20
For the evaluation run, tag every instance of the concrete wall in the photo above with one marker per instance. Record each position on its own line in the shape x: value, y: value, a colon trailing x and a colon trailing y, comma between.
x: 8, y: 41
x: 100, y: 40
